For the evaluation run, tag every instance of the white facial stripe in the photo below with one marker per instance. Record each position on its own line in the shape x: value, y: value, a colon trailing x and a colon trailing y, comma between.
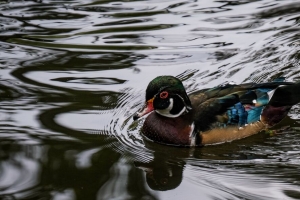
x: 166, y: 112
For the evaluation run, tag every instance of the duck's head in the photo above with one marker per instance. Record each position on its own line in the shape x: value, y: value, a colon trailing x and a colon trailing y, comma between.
x: 167, y: 96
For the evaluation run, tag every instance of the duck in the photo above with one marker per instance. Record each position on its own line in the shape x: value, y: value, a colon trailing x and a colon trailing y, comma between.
x: 215, y: 115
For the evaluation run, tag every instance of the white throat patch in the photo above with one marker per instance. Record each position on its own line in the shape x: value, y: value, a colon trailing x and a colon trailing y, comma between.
x: 166, y: 112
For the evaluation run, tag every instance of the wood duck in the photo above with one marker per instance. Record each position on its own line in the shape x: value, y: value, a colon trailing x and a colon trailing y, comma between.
x: 209, y: 116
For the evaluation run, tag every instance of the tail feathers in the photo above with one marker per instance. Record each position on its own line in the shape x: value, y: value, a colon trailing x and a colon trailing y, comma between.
x: 287, y: 95
x: 281, y: 101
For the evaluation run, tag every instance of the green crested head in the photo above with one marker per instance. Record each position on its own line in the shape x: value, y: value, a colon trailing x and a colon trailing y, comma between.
x: 167, y: 96
x: 164, y: 82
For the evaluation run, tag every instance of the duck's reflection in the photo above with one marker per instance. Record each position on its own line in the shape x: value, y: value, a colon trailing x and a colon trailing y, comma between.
x: 162, y: 175
x: 68, y: 170
x: 165, y: 170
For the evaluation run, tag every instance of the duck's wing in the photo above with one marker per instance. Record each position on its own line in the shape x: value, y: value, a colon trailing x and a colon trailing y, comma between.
x: 235, y: 105
x: 212, y: 111
x: 224, y: 111
x: 220, y: 120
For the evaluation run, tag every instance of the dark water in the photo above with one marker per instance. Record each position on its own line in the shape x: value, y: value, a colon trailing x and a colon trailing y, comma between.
x: 73, y: 74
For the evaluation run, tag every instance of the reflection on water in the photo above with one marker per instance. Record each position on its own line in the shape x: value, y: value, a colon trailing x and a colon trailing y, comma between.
x: 73, y: 73
x: 68, y: 170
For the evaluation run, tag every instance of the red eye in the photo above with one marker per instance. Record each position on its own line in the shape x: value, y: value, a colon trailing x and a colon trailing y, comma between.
x: 163, y: 94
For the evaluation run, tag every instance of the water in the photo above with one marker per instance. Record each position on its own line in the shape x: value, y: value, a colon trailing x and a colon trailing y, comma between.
x: 73, y: 74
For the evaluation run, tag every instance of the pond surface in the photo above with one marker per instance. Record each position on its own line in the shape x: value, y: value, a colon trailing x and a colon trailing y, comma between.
x: 73, y: 74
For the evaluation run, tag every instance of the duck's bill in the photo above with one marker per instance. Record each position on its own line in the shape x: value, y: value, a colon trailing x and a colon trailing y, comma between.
x: 146, y: 109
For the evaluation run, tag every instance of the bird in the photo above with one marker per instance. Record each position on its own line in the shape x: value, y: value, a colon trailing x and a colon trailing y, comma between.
x: 214, y: 115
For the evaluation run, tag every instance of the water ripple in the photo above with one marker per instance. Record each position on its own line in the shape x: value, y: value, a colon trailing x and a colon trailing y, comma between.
x: 74, y: 73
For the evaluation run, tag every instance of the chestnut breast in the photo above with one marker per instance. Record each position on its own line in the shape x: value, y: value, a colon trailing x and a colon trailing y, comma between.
x: 166, y: 130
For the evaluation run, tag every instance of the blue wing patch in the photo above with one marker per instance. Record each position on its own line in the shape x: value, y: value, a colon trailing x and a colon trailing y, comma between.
x: 250, y: 110
x: 237, y: 115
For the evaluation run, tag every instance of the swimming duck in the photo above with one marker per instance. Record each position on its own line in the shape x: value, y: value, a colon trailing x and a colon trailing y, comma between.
x: 209, y: 116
